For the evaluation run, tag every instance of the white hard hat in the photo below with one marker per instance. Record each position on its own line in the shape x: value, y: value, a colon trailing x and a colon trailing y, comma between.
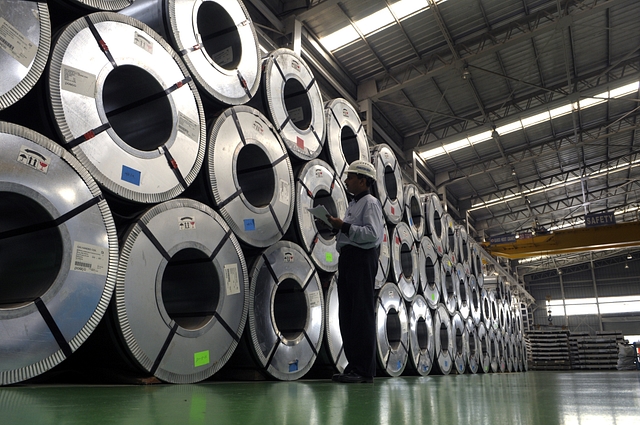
x: 362, y: 167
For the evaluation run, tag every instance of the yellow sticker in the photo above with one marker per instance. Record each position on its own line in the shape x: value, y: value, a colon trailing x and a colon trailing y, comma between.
x: 201, y: 358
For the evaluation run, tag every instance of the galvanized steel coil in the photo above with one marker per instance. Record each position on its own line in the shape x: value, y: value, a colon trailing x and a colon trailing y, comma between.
x: 181, y: 297
x: 59, y: 254
x: 318, y: 185
x: 501, y: 351
x: 346, y: 137
x: 475, y: 300
x: 216, y: 39
x: 414, y: 211
x: 444, y: 339
x: 430, y: 272
x: 293, y: 103
x: 126, y: 106
x: 494, y: 350
x: 502, y: 315
x: 384, y: 259
x: 450, y: 240
x: 392, y: 330
x: 421, y: 336
x: 461, y: 346
x: 484, y: 347
x: 476, y: 263
x: 250, y: 176
x: 333, y: 337
x: 473, y: 354
x: 286, y: 311
x: 462, y: 291
x: 388, y: 185
x: 494, y: 309
x: 511, y: 355
x: 25, y: 32
x: 485, y: 307
x: 435, y: 224
x: 448, y: 281
x: 106, y: 5
x: 404, y: 261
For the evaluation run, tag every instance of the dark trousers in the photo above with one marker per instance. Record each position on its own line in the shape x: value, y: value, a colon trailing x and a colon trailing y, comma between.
x: 356, y: 281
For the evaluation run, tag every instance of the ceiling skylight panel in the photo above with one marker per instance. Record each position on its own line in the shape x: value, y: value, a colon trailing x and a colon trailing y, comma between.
x: 340, y: 38
x: 451, y: 147
x: 375, y: 21
x: 432, y: 153
x: 561, y: 111
x: 625, y: 90
x: 404, y: 8
x: 482, y: 137
x: 536, y: 119
x: 509, y: 128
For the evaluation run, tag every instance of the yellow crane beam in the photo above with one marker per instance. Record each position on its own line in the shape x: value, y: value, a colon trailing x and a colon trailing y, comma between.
x: 583, y: 239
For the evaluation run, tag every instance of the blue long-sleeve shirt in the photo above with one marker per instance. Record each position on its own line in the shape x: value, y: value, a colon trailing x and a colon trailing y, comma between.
x: 363, y: 223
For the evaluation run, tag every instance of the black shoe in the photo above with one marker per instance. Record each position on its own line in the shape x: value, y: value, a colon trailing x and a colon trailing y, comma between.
x: 337, y: 377
x: 354, y: 378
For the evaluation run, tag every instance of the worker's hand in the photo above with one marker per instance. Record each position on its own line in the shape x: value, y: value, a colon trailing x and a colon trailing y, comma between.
x: 336, y: 223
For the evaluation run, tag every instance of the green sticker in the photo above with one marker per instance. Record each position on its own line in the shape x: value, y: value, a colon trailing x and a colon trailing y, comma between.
x: 433, y: 297
x: 201, y: 358
x: 328, y: 257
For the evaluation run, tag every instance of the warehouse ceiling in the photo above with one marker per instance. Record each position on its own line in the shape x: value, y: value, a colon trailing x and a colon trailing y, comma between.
x: 523, y: 114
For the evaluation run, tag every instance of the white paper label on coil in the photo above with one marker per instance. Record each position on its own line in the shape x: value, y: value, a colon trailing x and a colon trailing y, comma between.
x: 143, y: 42
x: 188, y: 127
x: 296, y: 114
x: 403, y: 327
x: 16, y: 44
x: 314, y: 299
x: 186, y: 223
x: 223, y: 57
x: 285, y: 195
x: 232, y: 279
x: 384, y: 250
x: 34, y: 159
x: 77, y: 81
x: 89, y: 258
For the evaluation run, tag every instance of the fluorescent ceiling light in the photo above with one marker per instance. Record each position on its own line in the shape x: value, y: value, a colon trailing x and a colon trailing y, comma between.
x: 374, y: 22
x: 542, y: 117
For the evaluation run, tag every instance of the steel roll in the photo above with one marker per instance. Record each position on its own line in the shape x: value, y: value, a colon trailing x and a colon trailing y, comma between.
x: 484, y: 343
x: 501, y: 350
x: 473, y: 353
x: 461, y: 345
x: 384, y: 259
x: 107, y: 5
x: 286, y: 311
x: 444, y: 340
x: 450, y: 240
x: 494, y: 350
x: 346, y: 137
x: 392, y: 330
x: 508, y: 316
x: 524, y: 354
x: 131, y: 114
x: 458, y: 231
x: 485, y: 307
x: 404, y: 261
x: 494, y: 309
x: 421, y: 336
x: 475, y: 300
x: 434, y: 220
x: 59, y: 254
x: 476, y: 263
x: 181, y: 297
x: 250, y: 176
x: 333, y: 337
x: 462, y: 291
x: 447, y: 284
x: 292, y: 100
x: 317, y: 185
x: 25, y: 30
x: 502, y: 315
x: 216, y: 39
x: 414, y: 211
x: 388, y: 185
x: 429, y: 271
x: 510, y: 353
x: 519, y: 326
x: 465, y: 248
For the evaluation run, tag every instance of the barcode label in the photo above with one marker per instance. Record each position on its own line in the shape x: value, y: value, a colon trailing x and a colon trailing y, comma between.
x: 89, y: 258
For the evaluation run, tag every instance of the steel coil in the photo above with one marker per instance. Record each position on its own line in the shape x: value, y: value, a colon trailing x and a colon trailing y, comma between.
x: 392, y: 330
x: 461, y: 346
x: 447, y: 284
x: 318, y: 185
x: 495, y: 311
x: 494, y: 350
x: 384, y: 259
x: 106, y: 5
x: 444, y: 339
x: 485, y: 307
x: 333, y: 337
x: 430, y: 272
x: 215, y: 38
x: 502, y: 315
x: 435, y: 224
x: 414, y: 211
x: 476, y: 264
x: 404, y: 261
x: 26, y: 27
x: 473, y: 354
x: 250, y: 176
x: 286, y: 311
x: 182, y: 292
x: 462, y: 291
x: 131, y: 114
x: 346, y: 136
x: 510, y: 350
x: 388, y: 185
x: 475, y: 301
x: 450, y: 240
x: 501, y: 351
x: 59, y: 254
x: 293, y: 102
x: 465, y: 248
x: 421, y: 336
x: 485, y: 348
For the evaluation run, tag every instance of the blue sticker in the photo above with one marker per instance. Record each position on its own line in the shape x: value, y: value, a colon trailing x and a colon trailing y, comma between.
x: 130, y: 175
x: 249, y: 224
x: 446, y: 363
x: 293, y: 366
x: 399, y: 365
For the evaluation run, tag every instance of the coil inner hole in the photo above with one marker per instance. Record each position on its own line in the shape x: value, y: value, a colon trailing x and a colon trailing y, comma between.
x: 290, y: 309
x: 444, y: 336
x: 430, y: 271
x: 297, y: 103
x: 394, y: 329
x: 29, y: 263
x: 390, y: 183
x: 349, y: 144
x: 190, y: 288
x: 255, y: 175
x: 448, y: 284
x: 220, y: 36
x: 462, y: 291
x: 406, y: 261
x: 422, y: 333
x: 416, y: 212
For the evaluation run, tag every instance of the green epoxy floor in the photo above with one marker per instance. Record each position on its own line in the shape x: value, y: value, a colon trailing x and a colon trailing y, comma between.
x: 545, y: 398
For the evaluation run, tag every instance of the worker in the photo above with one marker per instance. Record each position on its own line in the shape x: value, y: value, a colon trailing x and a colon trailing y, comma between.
x: 358, y: 242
